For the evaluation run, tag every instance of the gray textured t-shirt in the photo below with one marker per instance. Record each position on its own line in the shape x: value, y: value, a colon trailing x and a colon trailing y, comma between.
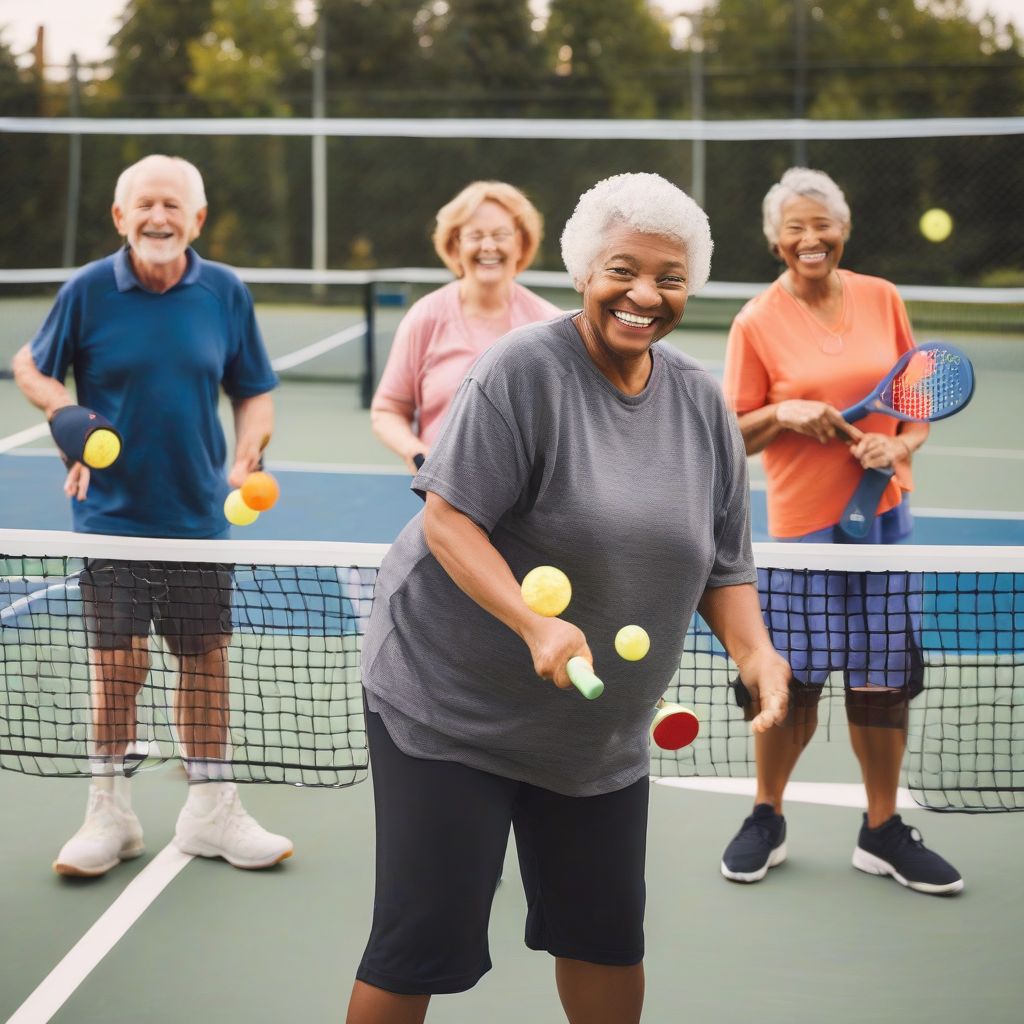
x: 641, y: 500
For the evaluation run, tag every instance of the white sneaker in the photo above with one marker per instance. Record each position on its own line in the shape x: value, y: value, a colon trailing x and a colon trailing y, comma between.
x: 215, y: 824
x: 111, y: 833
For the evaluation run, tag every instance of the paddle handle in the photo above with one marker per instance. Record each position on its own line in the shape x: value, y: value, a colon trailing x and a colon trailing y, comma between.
x: 583, y: 678
x: 860, y: 509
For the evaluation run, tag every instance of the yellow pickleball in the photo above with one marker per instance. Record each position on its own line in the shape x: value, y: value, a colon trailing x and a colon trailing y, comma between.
x: 102, y: 448
x: 632, y: 643
x: 546, y: 590
x: 237, y: 512
x: 936, y: 225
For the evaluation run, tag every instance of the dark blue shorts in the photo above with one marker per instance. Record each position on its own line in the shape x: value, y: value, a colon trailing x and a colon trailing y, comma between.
x: 442, y: 830
x: 865, y: 625
x: 188, y: 604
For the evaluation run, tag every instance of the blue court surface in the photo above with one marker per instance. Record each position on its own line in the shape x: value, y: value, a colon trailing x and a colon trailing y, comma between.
x: 372, y: 507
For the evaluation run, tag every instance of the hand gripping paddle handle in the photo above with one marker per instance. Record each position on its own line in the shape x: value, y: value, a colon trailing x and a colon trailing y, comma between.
x: 583, y: 678
x: 860, y: 510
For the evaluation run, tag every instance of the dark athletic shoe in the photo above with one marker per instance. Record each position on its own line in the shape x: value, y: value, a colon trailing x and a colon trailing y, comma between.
x: 897, y: 849
x: 759, y: 845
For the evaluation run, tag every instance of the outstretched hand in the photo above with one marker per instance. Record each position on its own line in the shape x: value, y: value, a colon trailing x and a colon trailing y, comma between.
x: 76, y: 483
x: 766, y: 674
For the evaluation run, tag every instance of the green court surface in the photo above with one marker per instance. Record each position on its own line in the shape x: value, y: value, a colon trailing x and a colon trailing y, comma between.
x: 816, y: 941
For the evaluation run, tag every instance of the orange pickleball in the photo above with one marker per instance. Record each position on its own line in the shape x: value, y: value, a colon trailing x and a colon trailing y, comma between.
x: 260, y: 491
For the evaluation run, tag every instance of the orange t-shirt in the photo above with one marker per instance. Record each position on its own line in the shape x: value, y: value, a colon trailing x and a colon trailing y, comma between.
x: 775, y: 353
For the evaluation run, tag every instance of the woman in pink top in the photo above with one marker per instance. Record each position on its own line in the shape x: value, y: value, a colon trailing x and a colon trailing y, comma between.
x: 815, y: 342
x: 486, y: 235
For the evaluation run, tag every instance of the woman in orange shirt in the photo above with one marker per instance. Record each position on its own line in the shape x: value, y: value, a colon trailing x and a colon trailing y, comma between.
x: 816, y: 341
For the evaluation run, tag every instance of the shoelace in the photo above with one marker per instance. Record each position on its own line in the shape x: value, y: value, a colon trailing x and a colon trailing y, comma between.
x: 238, y: 816
x: 763, y: 827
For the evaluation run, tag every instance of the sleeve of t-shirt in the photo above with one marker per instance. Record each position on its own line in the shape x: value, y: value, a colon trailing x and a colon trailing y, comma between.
x: 745, y: 380
x: 479, y: 464
x: 53, y: 347
x: 396, y: 391
x: 734, y: 559
x: 249, y: 372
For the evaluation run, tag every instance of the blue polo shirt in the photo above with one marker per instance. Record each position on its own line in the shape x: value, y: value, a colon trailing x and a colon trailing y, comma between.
x: 154, y: 364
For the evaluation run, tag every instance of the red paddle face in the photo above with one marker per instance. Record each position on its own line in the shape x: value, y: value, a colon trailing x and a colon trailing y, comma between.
x: 676, y: 730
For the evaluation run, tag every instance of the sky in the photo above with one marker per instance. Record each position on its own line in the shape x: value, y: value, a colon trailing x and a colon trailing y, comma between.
x: 85, y: 26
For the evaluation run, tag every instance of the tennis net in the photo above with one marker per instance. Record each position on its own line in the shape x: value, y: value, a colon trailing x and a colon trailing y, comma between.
x: 952, y: 619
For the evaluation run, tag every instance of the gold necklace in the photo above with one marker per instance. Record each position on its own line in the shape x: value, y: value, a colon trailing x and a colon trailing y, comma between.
x: 830, y: 342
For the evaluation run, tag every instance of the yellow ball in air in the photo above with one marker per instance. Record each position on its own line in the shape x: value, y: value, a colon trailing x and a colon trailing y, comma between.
x: 936, y: 225
x: 546, y: 590
x: 237, y: 512
x: 632, y: 643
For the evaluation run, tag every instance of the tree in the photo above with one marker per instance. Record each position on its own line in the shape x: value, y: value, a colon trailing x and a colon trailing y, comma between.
x: 152, y: 66
x: 240, y: 65
x: 619, y: 52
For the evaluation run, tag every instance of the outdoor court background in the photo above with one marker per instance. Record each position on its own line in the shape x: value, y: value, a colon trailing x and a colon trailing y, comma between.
x: 815, y: 941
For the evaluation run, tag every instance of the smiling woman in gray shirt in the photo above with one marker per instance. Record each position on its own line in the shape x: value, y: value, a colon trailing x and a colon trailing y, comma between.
x: 582, y: 443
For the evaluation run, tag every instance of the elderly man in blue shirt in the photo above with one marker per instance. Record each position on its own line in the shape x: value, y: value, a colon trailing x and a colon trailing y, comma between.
x: 152, y: 333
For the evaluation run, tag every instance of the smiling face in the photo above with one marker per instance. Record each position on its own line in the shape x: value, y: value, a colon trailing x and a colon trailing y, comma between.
x: 158, y: 220
x: 488, y: 246
x: 811, y: 240
x: 635, y: 294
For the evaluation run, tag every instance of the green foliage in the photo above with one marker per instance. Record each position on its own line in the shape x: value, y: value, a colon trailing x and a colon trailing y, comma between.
x: 241, y: 62
x: 152, y: 66
x: 591, y: 59
x: 618, y: 52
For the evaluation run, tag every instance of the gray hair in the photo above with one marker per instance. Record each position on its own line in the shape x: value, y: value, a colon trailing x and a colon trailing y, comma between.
x: 802, y: 182
x: 646, y: 203
x: 196, y: 193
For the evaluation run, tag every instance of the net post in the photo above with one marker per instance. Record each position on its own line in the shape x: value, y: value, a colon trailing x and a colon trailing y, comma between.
x: 369, y: 355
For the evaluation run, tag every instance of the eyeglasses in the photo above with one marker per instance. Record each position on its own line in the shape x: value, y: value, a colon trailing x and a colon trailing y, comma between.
x: 476, y: 237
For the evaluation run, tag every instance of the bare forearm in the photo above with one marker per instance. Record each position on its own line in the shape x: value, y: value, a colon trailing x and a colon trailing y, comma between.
x: 912, y: 436
x: 759, y: 428
x: 254, y: 425
x: 394, y: 431
x: 734, y: 615
x: 474, y: 564
x: 43, y: 392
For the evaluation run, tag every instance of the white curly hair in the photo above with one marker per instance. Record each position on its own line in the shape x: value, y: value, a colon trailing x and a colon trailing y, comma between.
x: 803, y: 183
x: 647, y: 203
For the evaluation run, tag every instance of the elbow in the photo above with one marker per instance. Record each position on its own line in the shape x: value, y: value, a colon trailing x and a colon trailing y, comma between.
x: 23, y: 365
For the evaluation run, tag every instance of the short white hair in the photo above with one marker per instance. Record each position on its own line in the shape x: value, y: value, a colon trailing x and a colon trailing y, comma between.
x: 646, y: 203
x: 803, y: 183
x: 195, y: 191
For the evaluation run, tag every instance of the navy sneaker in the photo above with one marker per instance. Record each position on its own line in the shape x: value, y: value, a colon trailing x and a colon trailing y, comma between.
x: 759, y: 845
x: 897, y: 849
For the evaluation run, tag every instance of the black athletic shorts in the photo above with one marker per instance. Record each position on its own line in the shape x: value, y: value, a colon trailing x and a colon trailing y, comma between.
x: 188, y: 603
x: 442, y: 830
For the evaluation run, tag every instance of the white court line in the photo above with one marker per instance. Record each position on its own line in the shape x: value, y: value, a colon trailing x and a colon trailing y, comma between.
x: 24, y: 437
x: 57, y: 987
x: 338, y: 468
x: 972, y: 453
x: 831, y: 794
x: 318, y: 348
x: 964, y: 513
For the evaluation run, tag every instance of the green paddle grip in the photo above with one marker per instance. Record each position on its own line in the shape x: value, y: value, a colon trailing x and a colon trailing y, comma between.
x: 583, y: 678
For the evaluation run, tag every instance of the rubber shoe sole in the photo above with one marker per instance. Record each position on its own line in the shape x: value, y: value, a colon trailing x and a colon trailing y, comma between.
x: 73, y: 871
x: 194, y: 849
x: 776, y: 857
x: 872, y: 865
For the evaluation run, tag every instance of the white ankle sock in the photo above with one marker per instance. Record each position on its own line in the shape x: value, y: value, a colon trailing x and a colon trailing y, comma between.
x: 203, y: 796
